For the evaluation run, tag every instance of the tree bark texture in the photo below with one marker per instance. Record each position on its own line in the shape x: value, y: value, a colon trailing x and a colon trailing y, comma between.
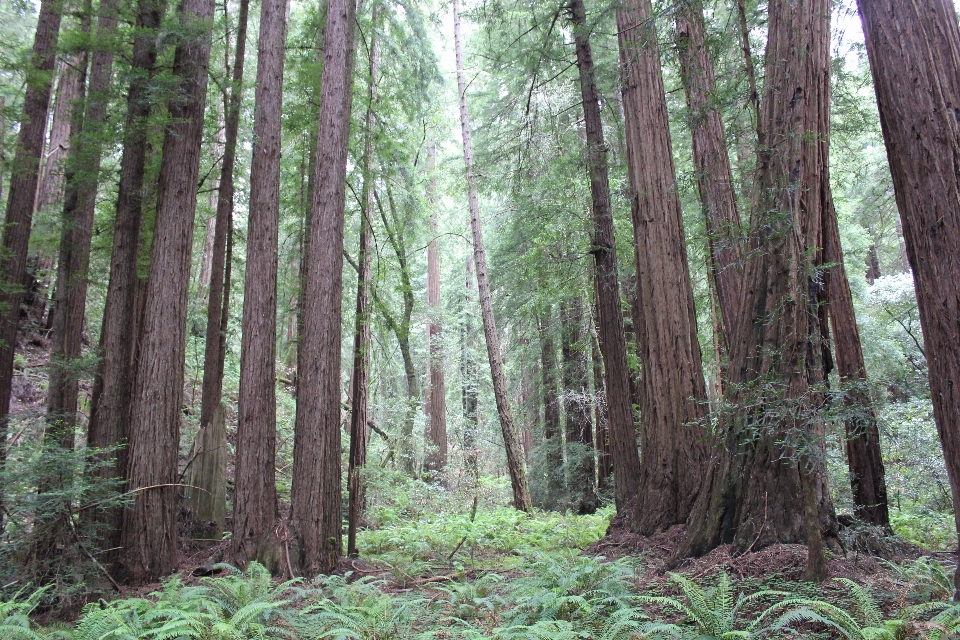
x: 60, y: 137
x: 20, y: 197
x: 714, y: 176
x: 79, y: 207
x: 255, y: 495
x: 511, y: 439
x: 113, y: 385
x: 315, y: 520
x: 150, y: 524
x: 436, y: 460
x: 766, y: 483
x: 622, y: 430
x: 673, y: 392
x: 218, y: 303
x: 914, y: 52
x: 70, y: 293
x: 362, y: 338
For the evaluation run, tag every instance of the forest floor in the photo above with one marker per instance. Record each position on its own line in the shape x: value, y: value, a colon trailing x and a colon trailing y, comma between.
x: 432, y: 567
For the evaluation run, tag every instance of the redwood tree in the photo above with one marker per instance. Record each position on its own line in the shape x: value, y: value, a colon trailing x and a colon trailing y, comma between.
x: 360, y: 381
x: 315, y: 520
x: 20, y: 197
x: 112, y: 388
x: 208, y: 468
x: 255, y: 509
x: 622, y: 443
x: 714, y: 176
x: 436, y: 459
x: 914, y: 52
x: 150, y: 525
x: 673, y: 392
x: 511, y: 439
x: 765, y: 484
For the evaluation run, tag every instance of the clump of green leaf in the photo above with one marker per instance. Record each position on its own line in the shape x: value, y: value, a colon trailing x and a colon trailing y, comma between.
x: 926, y: 579
x: 238, y: 606
x: 568, y: 587
x: 15, y: 621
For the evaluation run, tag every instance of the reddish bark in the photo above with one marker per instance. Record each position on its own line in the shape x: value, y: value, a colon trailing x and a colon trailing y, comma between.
x: 315, y: 520
x: 674, y: 443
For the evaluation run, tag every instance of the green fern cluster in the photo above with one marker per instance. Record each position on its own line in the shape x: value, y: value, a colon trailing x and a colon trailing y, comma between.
x: 240, y: 606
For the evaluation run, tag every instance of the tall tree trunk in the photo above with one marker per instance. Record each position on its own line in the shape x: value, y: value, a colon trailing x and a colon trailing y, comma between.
x: 60, y: 138
x: 207, y: 502
x: 771, y: 440
x: 315, y: 520
x: 112, y: 389
x: 917, y: 45
x: 511, y: 439
x: 255, y: 495
x: 437, y: 399
x: 552, y: 436
x: 20, y: 200
x: 468, y: 380
x: 150, y: 524
x: 581, y: 466
x: 673, y: 392
x: 51, y: 532
x: 714, y: 177
x: 623, y: 438
x: 69, y: 299
x: 79, y: 207
x: 360, y: 381
x: 864, y: 457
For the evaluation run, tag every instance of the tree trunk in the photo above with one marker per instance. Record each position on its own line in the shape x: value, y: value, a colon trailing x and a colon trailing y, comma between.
x: 112, y: 389
x: 770, y: 453
x: 315, y: 520
x: 917, y: 45
x: 511, y: 439
x: 79, y: 207
x: 69, y: 299
x: 360, y: 381
x: 552, y: 437
x: 218, y: 304
x: 51, y: 531
x: 673, y: 393
x: 437, y: 400
x: 623, y: 438
x: 864, y: 458
x: 581, y: 466
x: 60, y: 139
x: 150, y: 524
x: 714, y: 177
x: 255, y: 495
x: 20, y: 200
x: 468, y: 380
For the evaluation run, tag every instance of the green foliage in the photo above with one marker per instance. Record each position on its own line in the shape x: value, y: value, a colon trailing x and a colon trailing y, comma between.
x: 567, y: 586
x: 926, y: 579
x: 717, y: 613
x: 238, y: 606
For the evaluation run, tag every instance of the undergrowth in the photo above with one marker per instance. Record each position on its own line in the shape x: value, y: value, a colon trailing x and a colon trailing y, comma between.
x: 432, y: 569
